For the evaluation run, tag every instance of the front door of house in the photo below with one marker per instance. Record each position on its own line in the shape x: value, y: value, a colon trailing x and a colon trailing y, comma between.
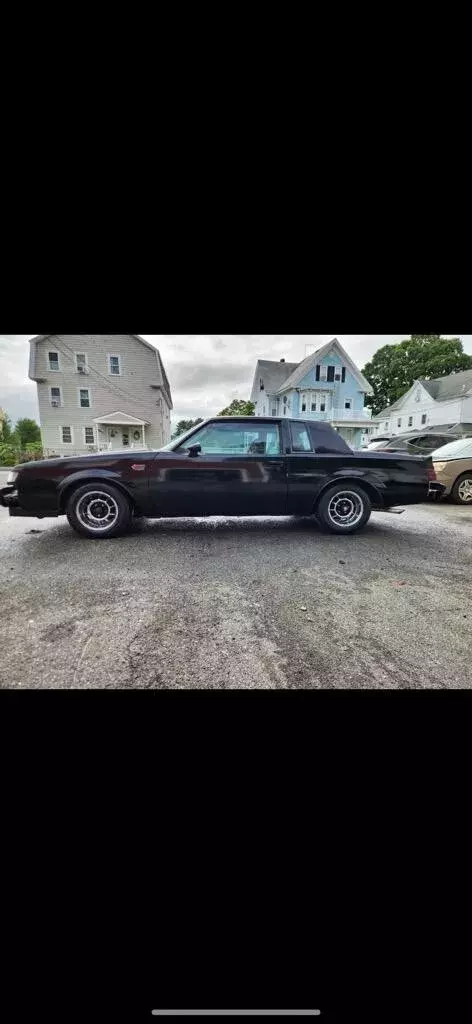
x: 119, y: 437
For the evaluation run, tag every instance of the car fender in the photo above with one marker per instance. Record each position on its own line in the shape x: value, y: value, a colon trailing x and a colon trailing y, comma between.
x: 354, y: 476
x: 84, y: 476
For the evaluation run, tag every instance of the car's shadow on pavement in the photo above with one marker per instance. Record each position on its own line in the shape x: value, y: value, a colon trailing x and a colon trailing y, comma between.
x: 221, y: 526
x: 59, y: 538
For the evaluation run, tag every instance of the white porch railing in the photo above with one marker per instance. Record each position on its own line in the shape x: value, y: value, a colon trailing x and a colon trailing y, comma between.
x: 336, y: 415
x: 350, y: 414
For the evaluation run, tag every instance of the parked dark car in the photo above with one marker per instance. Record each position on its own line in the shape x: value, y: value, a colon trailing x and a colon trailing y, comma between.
x: 226, y: 466
x: 415, y: 443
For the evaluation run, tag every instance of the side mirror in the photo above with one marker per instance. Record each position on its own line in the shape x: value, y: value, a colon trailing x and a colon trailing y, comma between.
x: 194, y: 450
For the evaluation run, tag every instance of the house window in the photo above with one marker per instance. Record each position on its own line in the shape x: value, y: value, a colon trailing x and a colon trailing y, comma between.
x: 114, y: 366
x: 81, y: 364
x: 348, y: 403
x: 84, y: 398
x: 89, y: 435
x: 66, y: 433
x: 56, y: 398
x: 323, y: 372
x: 343, y: 374
x: 386, y: 425
x: 331, y: 370
x: 274, y: 411
x: 399, y: 421
x: 423, y: 418
x: 323, y: 406
x: 418, y: 395
x: 313, y: 406
x: 410, y: 421
x: 53, y: 358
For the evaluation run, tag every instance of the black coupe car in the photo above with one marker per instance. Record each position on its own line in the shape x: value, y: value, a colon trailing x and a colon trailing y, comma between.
x: 228, y: 466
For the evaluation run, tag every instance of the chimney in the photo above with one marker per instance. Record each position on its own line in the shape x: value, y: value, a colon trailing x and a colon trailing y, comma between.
x: 282, y: 360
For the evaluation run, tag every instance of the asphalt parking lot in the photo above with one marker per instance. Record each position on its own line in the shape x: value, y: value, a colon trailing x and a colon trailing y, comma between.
x: 250, y: 603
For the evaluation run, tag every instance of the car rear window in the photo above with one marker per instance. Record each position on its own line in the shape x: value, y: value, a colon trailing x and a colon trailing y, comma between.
x: 325, y: 439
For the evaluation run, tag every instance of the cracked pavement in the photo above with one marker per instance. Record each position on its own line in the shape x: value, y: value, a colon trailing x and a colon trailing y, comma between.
x: 237, y: 604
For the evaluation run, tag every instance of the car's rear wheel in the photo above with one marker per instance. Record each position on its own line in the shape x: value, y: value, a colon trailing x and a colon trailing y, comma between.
x: 98, y: 511
x: 462, y: 490
x: 343, y: 508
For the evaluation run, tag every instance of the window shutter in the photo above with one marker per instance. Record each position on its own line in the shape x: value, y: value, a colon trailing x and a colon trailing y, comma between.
x: 343, y: 375
x: 317, y: 371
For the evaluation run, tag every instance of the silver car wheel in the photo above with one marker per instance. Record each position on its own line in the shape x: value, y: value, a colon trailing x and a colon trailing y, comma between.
x: 346, y: 508
x: 464, y: 490
x: 97, y: 511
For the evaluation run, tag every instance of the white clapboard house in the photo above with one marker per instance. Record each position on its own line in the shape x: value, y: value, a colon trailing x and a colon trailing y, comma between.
x: 100, y: 392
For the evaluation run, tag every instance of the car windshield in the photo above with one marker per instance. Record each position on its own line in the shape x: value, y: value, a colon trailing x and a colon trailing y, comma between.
x: 176, y: 441
x: 377, y: 444
x: 455, y: 450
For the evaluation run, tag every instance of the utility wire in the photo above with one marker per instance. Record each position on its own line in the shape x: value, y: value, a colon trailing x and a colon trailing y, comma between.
x: 109, y: 384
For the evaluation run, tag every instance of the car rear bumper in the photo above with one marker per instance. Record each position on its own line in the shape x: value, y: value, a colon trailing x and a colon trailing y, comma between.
x: 435, y: 490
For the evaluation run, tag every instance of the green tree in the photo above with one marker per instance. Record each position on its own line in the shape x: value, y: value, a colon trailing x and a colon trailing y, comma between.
x: 27, y: 432
x: 185, y: 425
x: 239, y: 407
x: 394, y: 368
x: 6, y: 434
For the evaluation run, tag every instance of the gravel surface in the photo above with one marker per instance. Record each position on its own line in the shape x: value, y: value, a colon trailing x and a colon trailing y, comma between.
x: 239, y: 603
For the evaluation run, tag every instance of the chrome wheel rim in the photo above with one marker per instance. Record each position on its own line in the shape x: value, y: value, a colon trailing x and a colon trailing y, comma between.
x: 465, y: 490
x: 97, y: 511
x: 346, y: 508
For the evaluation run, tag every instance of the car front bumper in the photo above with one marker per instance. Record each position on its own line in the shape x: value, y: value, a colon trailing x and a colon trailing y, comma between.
x: 9, y: 499
x: 9, y: 496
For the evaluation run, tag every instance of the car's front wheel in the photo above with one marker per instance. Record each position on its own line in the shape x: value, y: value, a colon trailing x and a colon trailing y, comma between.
x: 343, y: 508
x: 98, y: 511
x: 462, y: 490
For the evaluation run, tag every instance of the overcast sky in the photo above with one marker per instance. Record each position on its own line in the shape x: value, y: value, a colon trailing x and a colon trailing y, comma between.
x: 206, y: 371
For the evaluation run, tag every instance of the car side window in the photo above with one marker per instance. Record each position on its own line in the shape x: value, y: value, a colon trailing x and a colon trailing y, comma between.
x: 236, y: 439
x: 300, y: 438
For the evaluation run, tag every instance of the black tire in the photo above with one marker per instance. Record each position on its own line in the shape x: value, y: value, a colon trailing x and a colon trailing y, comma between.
x: 355, y: 507
x: 457, y: 496
x: 86, y: 510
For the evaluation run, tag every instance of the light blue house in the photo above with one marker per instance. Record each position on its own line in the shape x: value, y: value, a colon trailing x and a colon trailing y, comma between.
x: 327, y: 385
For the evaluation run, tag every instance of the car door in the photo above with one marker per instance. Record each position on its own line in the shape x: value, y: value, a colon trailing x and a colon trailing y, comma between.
x: 315, y: 452
x: 240, y: 469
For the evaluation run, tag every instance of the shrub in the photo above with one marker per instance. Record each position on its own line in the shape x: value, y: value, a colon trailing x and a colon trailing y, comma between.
x: 10, y: 455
